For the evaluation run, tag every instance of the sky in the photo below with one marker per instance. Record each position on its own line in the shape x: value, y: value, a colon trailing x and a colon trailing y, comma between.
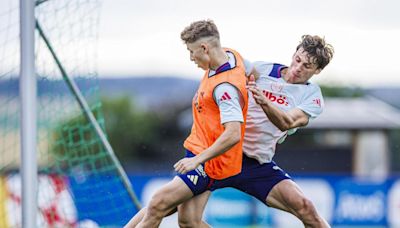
x: 142, y: 37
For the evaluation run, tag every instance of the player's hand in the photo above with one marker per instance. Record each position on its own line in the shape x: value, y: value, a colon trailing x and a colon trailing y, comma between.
x: 251, y: 82
x: 258, y: 95
x: 186, y: 164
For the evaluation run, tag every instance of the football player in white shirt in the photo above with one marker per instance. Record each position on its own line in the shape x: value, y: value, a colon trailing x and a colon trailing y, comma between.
x: 282, y: 99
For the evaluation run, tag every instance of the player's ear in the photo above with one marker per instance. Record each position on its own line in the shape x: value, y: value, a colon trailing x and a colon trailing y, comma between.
x: 204, y: 46
x: 318, y: 71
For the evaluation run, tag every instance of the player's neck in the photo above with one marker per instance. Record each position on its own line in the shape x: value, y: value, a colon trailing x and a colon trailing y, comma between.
x: 288, y: 78
x: 285, y: 76
x: 218, y: 58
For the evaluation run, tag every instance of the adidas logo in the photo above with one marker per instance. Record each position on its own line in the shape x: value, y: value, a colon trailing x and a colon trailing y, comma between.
x: 200, y: 171
x: 225, y: 96
x: 275, y: 167
x: 317, y: 101
x: 193, y: 178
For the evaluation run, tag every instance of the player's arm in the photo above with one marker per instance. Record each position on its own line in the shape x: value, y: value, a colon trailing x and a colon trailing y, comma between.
x: 229, y: 137
x: 282, y: 120
x: 230, y: 104
x: 285, y: 120
x: 231, y: 119
x: 225, y: 141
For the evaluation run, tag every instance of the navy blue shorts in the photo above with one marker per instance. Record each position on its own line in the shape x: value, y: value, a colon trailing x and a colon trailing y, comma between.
x: 197, y: 180
x: 255, y: 179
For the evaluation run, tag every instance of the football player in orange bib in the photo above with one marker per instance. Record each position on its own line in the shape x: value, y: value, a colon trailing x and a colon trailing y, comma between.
x: 214, y: 146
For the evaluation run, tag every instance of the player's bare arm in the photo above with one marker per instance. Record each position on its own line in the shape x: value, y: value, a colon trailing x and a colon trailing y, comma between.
x: 282, y: 120
x: 229, y: 138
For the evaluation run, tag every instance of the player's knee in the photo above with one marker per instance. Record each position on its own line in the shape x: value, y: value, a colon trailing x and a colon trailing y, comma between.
x: 158, y: 206
x: 305, y: 208
x: 308, y: 214
x: 189, y: 223
x: 189, y: 220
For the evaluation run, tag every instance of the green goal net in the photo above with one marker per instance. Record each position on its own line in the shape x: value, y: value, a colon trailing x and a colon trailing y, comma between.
x: 80, y: 182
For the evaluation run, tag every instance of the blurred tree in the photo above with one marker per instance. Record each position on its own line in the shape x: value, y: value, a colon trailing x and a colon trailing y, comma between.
x: 131, y: 131
x: 340, y: 91
x: 144, y: 139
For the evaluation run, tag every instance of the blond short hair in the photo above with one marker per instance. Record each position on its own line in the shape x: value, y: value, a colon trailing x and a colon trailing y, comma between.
x: 198, y: 30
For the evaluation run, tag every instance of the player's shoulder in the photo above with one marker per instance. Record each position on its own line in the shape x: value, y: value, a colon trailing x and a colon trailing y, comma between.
x: 225, y: 87
x: 269, y: 69
x: 263, y: 65
x: 233, y: 54
x: 312, y: 90
x: 313, y: 87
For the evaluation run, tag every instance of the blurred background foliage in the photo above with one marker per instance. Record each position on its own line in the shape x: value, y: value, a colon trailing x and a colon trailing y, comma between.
x: 150, y: 137
x: 338, y: 91
x: 141, y: 138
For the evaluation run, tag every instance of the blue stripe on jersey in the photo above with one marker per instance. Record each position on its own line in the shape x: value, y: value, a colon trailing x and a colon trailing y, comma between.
x: 276, y: 70
x: 224, y: 67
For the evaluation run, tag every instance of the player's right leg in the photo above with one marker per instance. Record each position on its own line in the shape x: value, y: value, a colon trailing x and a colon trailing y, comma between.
x: 274, y: 187
x: 287, y: 196
x: 190, y: 213
x: 163, y: 201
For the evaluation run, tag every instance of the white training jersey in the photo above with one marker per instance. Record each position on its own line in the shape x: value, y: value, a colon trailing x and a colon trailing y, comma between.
x: 261, y: 134
x: 230, y: 103
x: 228, y: 98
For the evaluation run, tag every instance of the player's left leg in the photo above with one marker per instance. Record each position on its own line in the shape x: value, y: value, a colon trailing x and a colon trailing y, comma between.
x: 139, y: 216
x: 164, y: 201
x: 287, y: 196
x: 190, y: 213
x: 136, y: 219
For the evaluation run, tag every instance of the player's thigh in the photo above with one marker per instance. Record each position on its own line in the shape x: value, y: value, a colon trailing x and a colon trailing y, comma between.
x: 193, y: 208
x: 173, y: 193
x: 286, y: 195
